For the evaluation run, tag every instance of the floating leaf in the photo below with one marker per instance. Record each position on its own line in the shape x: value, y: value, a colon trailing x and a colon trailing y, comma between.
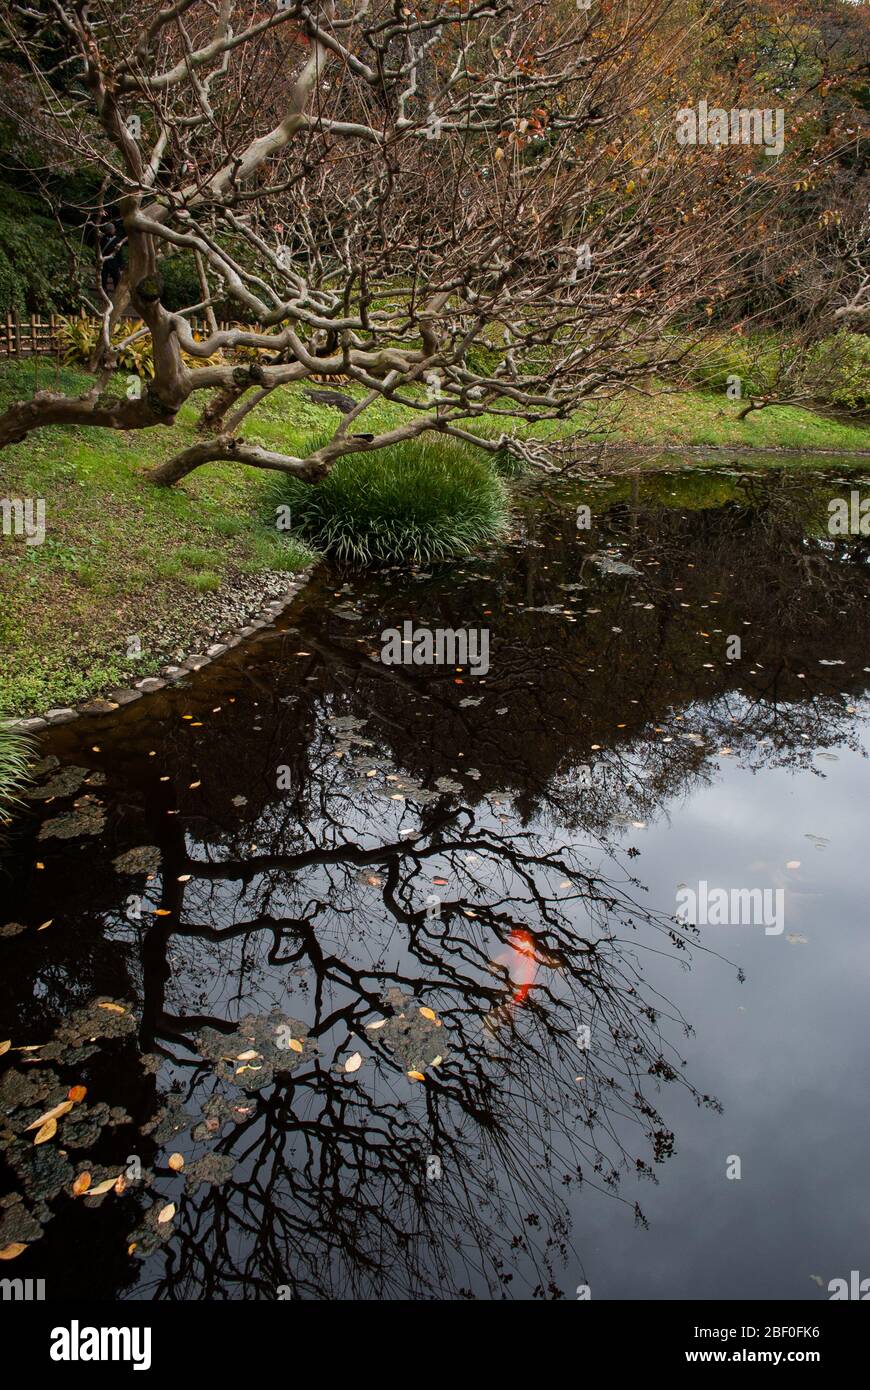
x: 167, y: 1213
x: 176, y: 1162
x: 247, y: 1056
x: 76, y: 1093
x: 103, y: 1187
x: 416, y: 1076
x: 112, y: 1008
x: 378, y: 1023
x: 10, y: 1252
x: 53, y: 1114
x: 5, y: 1046
x: 428, y: 1013
x: 353, y: 1063
x: 48, y: 1131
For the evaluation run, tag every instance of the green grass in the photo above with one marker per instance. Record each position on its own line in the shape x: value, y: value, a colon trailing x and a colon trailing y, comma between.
x: 697, y: 418
x: 16, y: 754
x: 120, y: 556
x: 418, y: 502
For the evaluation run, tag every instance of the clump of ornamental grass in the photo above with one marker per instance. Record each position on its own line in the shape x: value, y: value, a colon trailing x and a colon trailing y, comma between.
x: 16, y: 755
x: 417, y: 502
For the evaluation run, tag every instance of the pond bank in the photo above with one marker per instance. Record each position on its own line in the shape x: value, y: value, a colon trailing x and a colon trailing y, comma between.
x: 169, y: 573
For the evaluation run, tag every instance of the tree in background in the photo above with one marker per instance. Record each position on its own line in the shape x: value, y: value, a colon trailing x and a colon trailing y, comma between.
x: 470, y: 207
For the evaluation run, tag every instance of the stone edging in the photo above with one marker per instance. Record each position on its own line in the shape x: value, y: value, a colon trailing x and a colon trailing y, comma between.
x: 169, y: 675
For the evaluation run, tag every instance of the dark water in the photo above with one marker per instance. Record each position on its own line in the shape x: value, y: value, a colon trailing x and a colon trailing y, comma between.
x: 306, y: 805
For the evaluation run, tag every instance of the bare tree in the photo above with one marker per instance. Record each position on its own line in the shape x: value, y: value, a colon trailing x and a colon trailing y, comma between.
x: 478, y: 210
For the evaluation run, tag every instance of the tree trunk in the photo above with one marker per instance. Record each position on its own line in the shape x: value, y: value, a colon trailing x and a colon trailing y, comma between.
x: 225, y: 447
x: 214, y: 412
x: 178, y: 467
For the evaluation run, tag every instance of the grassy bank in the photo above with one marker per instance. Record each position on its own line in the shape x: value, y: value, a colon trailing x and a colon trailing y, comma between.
x: 122, y: 558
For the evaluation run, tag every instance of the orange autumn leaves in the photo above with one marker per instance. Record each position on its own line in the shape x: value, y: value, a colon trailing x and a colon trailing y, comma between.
x: 46, y: 1124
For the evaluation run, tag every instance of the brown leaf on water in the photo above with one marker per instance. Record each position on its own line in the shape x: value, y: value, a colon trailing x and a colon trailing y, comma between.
x: 112, y: 1008
x: 120, y: 1184
x: 81, y: 1184
x: 53, y: 1114
x: 76, y: 1093
x: 10, y: 1252
x: 48, y: 1131
x: 167, y: 1213
x: 103, y: 1187
x: 429, y: 1013
x: 5, y: 1046
x: 416, y: 1076
x: 176, y: 1162
x: 295, y: 1044
x: 132, y: 1246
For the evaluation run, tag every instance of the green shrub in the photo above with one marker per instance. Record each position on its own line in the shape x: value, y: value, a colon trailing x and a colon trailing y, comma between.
x: 747, y: 358
x: 37, y: 274
x: 416, y: 502
x: 840, y: 370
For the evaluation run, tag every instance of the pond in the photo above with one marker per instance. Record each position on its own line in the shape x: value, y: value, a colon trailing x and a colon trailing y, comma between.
x: 423, y: 970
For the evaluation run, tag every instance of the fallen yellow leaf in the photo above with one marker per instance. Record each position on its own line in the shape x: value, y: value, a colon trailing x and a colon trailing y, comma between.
x: 176, y: 1162
x: 416, y: 1076
x: 103, y: 1187
x: 9, y: 1252
x: 48, y: 1131
x: 5, y: 1046
x: 113, y: 1008
x: 53, y: 1114
x: 428, y: 1013
x: 167, y: 1213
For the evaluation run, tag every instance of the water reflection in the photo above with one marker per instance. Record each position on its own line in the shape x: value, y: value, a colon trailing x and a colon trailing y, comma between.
x: 424, y: 880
